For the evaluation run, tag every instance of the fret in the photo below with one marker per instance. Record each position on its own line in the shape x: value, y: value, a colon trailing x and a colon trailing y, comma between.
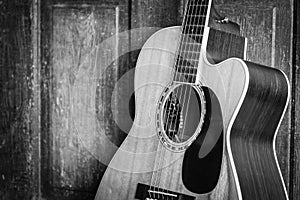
x: 194, y: 62
x: 190, y: 45
x: 192, y: 38
x: 199, y: 2
x: 191, y: 34
x: 195, y: 15
x: 193, y: 31
x: 199, y: 13
x: 186, y: 62
x: 186, y: 54
x: 190, y: 60
x: 185, y: 78
x: 187, y: 39
x: 186, y: 66
x: 187, y: 70
x: 189, y: 50
x: 198, y: 5
x: 197, y: 10
x: 194, y: 20
x: 190, y: 55
x: 194, y: 26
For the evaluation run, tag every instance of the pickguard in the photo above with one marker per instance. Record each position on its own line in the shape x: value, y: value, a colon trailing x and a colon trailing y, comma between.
x: 202, y: 160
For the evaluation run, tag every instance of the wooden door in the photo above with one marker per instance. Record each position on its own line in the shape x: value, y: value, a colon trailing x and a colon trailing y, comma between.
x: 41, y: 153
x: 76, y: 113
x: 86, y: 51
x: 75, y: 100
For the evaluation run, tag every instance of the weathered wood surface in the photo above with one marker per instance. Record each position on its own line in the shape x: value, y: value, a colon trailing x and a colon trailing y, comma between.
x: 20, y: 131
x: 16, y: 169
x: 71, y: 166
x: 295, y: 128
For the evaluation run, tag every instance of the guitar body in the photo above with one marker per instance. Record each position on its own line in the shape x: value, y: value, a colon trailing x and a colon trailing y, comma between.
x: 232, y: 157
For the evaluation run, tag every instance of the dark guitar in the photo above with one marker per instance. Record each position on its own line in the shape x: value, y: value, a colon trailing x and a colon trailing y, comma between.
x: 205, y: 119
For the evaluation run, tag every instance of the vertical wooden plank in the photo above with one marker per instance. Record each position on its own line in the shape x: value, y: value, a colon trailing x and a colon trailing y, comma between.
x: 15, y: 86
x: 273, y: 51
x: 295, y: 129
x: 74, y: 39
x: 5, y: 155
x: 35, y: 111
x: 45, y: 135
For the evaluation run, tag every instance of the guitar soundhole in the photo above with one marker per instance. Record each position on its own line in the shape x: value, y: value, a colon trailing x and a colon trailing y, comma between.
x: 180, y: 115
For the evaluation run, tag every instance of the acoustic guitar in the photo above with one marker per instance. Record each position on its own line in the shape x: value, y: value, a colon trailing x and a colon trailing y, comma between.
x: 205, y: 119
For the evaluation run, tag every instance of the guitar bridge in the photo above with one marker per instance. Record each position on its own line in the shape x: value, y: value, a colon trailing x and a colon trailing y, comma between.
x: 145, y: 192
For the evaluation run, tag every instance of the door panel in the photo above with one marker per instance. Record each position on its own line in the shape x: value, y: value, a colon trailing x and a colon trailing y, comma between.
x: 85, y: 52
x: 79, y: 102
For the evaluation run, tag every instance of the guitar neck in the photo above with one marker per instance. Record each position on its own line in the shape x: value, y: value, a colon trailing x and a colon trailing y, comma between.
x: 196, y: 15
x: 195, y: 20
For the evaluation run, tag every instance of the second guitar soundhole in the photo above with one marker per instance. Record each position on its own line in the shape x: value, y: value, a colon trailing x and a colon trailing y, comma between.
x: 180, y: 115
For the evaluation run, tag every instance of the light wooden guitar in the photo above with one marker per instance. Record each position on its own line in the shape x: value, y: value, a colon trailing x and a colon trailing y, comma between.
x: 204, y: 128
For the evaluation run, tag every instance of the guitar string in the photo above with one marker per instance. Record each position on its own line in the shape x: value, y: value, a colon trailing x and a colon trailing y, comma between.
x: 155, y: 186
x: 200, y: 21
x: 189, y: 7
x: 189, y: 70
x: 182, y: 72
x: 160, y: 165
x: 152, y: 174
x: 191, y: 41
x: 183, y: 46
x: 186, y: 71
x: 195, y: 48
x: 202, y: 15
x: 185, y: 50
x: 156, y: 166
x: 153, y: 177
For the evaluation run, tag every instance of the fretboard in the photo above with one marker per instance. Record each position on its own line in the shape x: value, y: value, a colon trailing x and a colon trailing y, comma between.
x: 191, y: 39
